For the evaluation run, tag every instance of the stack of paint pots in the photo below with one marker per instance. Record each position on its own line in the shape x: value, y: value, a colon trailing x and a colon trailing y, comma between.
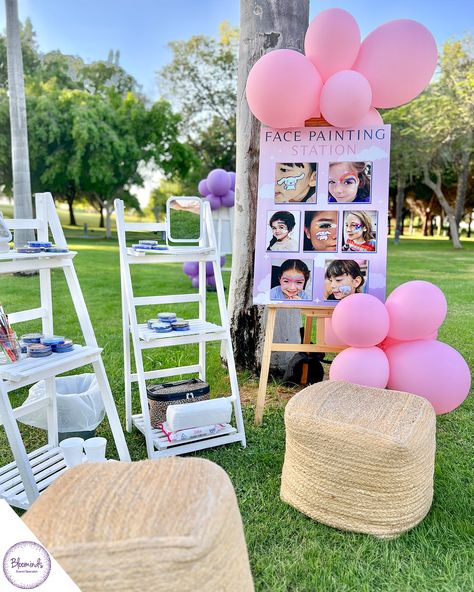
x: 167, y: 322
x: 149, y: 245
x: 40, y: 247
x: 58, y: 344
x: 36, y: 345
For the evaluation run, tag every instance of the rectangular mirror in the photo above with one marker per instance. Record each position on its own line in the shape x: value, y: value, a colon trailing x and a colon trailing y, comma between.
x: 184, y: 219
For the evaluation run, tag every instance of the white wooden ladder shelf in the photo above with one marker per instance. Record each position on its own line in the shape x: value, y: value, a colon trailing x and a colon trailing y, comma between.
x: 200, y: 331
x: 22, y: 480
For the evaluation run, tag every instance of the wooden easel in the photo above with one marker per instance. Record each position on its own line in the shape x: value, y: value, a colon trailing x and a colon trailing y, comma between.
x: 320, y: 313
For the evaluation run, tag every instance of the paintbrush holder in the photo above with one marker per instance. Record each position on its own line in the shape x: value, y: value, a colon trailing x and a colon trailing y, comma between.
x: 9, y: 349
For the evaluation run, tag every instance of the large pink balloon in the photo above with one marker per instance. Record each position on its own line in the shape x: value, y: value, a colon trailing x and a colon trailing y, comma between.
x: 332, y: 41
x: 398, y: 59
x: 429, y: 369
x: 360, y: 320
x: 330, y: 336
x: 416, y: 310
x: 362, y: 365
x: 345, y: 99
x: 283, y: 89
x: 388, y: 341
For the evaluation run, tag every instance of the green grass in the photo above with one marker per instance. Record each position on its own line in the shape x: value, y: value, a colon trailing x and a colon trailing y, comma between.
x: 288, y: 551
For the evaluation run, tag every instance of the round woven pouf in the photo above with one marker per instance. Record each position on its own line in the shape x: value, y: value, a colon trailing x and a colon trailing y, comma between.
x: 359, y: 458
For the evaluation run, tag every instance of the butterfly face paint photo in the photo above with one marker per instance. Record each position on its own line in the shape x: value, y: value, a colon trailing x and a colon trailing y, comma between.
x: 295, y: 182
x: 349, y: 182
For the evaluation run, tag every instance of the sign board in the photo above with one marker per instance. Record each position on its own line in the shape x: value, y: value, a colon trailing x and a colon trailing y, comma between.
x: 322, y: 214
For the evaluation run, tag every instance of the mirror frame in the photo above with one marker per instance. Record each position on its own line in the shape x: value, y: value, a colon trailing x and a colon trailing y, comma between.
x: 189, y: 198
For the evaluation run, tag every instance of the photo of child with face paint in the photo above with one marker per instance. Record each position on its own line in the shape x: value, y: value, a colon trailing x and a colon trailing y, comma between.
x: 320, y: 231
x: 344, y: 277
x: 282, y: 225
x: 359, y: 231
x: 292, y: 280
x: 295, y: 182
x: 349, y: 182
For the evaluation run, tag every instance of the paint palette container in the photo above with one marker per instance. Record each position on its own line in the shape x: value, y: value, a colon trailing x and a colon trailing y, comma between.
x: 147, y: 243
x: 151, y: 322
x: 63, y: 348
x: 56, y: 250
x: 39, y: 244
x: 180, y: 325
x: 29, y: 338
x: 52, y: 340
x: 167, y: 317
x: 38, y: 350
x: 28, y: 250
x: 159, y: 327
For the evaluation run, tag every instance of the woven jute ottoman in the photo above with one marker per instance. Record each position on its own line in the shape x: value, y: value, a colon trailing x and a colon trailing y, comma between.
x: 359, y: 458
x: 170, y: 524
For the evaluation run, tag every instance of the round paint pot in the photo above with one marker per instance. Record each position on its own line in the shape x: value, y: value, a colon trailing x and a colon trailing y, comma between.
x: 180, y: 326
x: 40, y: 244
x: 161, y: 327
x: 28, y: 250
x: 167, y: 317
x: 56, y: 250
x: 31, y: 338
x: 52, y: 340
x: 38, y: 350
x: 62, y: 348
x: 147, y: 243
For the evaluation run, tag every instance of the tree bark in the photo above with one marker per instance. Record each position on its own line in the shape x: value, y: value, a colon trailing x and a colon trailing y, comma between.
x: 18, y: 125
x: 70, y: 200
x: 264, y: 25
x: 461, y: 190
x: 399, y: 201
x: 448, y: 210
x: 109, y: 207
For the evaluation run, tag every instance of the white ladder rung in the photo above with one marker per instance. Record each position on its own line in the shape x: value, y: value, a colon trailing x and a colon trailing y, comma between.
x: 176, y: 299
x: 167, y: 372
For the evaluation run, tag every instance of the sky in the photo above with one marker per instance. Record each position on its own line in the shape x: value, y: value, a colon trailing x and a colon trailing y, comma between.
x: 141, y: 29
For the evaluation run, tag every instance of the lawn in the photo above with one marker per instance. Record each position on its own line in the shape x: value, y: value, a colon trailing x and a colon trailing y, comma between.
x: 288, y: 551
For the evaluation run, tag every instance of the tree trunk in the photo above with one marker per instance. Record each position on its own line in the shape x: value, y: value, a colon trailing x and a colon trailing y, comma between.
x: 108, y: 214
x: 101, y: 221
x: 461, y: 190
x: 399, y: 201
x: 70, y: 200
x: 18, y: 126
x: 264, y: 26
x: 448, y: 210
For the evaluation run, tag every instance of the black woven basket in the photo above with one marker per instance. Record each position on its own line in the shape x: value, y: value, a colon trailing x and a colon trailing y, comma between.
x: 174, y: 393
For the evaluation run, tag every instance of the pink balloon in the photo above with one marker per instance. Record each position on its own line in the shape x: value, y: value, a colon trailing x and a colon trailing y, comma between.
x: 430, y: 369
x: 373, y: 117
x: 203, y: 188
x: 330, y: 336
x: 398, y: 59
x: 388, y: 341
x: 345, y: 98
x: 232, y: 176
x: 361, y: 365
x: 227, y: 200
x: 360, y: 320
x: 195, y: 281
x: 218, y: 182
x: 214, y: 200
x: 283, y: 89
x: 416, y: 309
x: 332, y: 41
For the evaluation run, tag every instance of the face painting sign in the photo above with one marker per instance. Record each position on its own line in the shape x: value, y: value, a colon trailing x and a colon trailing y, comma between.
x: 322, y: 215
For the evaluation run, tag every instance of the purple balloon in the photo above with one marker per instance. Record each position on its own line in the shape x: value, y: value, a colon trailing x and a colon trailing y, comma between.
x: 222, y: 260
x: 195, y: 281
x: 203, y: 188
x: 232, y: 176
x: 211, y: 281
x: 228, y: 199
x: 219, y: 182
x: 209, y: 268
x: 214, y: 200
x: 191, y: 268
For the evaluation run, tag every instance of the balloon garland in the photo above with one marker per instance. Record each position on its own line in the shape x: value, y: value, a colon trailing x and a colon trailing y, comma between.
x: 191, y: 269
x: 218, y: 188
x: 339, y: 77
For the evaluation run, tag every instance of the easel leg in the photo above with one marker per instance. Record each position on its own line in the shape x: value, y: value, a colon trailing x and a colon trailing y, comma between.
x: 308, y: 327
x: 267, y: 352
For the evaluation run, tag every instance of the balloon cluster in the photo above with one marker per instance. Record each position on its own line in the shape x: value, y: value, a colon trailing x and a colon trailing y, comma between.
x: 394, y: 345
x: 340, y: 77
x: 218, y: 188
x: 191, y: 269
